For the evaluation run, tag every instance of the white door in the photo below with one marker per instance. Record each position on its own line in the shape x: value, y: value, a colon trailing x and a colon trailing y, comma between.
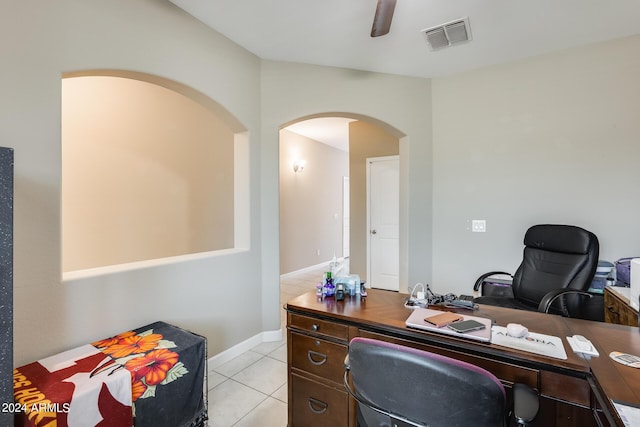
x: 345, y: 217
x: 383, y: 218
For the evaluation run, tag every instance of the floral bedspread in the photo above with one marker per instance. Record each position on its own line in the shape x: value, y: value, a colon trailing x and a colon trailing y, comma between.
x: 168, y: 373
x: 69, y: 390
x: 150, y: 376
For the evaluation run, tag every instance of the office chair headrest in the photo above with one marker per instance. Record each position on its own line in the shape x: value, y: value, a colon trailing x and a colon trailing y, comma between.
x: 560, y: 238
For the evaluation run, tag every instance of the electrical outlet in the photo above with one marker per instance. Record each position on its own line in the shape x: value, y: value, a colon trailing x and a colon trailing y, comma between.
x: 318, y: 252
x: 478, y: 225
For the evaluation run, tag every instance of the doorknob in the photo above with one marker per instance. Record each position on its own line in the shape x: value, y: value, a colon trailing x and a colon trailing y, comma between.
x: 374, y: 232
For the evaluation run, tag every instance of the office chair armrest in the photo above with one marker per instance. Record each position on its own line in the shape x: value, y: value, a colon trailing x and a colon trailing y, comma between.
x: 525, y: 403
x: 550, y: 297
x: 479, y: 283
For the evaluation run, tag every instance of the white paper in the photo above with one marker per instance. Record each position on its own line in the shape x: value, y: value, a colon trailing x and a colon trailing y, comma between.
x: 629, y: 415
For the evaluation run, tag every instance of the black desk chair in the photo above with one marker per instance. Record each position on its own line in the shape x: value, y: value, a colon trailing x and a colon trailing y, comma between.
x: 400, y: 386
x: 559, y: 263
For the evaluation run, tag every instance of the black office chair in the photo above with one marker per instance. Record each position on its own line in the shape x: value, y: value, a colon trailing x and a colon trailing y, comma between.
x: 400, y: 386
x: 559, y: 263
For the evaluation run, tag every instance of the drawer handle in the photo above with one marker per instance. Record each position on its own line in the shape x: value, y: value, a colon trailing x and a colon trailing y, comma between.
x: 323, y: 406
x: 311, y: 354
x: 315, y: 327
x: 611, y: 310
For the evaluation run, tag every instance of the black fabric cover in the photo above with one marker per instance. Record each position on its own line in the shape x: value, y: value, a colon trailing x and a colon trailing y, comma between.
x: 181, y: 403
x: 423, y: 387
x: 554, y: 257
x: 168, y: 367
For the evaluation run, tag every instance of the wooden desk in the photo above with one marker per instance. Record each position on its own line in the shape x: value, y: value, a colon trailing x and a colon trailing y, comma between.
x: 572, y: 391
x: 611, y: 380
x: 617, y: 308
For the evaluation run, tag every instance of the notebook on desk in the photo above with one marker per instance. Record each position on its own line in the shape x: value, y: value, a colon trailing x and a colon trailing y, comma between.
x: 416, y: 320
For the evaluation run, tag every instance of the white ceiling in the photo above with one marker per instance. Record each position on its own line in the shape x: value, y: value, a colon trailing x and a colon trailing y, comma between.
x: 336, y: 32
x: 333, y: 131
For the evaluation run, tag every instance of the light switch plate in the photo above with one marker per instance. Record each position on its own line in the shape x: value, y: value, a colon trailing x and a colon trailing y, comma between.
x: 478, y: 225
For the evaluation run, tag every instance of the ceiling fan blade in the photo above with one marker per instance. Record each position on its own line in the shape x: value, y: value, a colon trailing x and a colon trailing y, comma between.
x: 382, y: 18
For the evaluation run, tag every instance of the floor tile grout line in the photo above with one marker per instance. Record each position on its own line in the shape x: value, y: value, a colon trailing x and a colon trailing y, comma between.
x: 276, y: 359
x: 247, y: 367
x: 275, y: 398
x: 253, y: 409
x: 262, y: 355
x: 240, y: 382
x: 252, y: 363
x: 261, y: 392
x: 266, y: 396
x: 305, y: 283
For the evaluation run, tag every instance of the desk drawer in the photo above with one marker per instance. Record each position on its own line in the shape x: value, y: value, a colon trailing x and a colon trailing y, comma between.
x: 317, y: 326
x: 316, y: 405
x: 319, y: 357
x: 617, y: 310
x: 563, y: 387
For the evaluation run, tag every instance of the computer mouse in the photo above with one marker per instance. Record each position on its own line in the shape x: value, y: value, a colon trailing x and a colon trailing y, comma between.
x: 516, y: 330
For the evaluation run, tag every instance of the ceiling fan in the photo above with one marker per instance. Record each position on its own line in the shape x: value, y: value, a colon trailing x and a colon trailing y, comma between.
x: 382, y: 18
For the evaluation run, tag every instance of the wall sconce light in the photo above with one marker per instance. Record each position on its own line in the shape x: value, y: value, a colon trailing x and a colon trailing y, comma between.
x: 298, y: 166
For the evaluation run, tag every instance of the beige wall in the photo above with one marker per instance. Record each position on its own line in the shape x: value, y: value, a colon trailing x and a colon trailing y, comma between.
x: 551, y: 139
x: 310, y: 202
x: 365, y: 140
x: 156, y: 38
x: 401, y: 105
x: 147, y: 173
x: 49, y: 39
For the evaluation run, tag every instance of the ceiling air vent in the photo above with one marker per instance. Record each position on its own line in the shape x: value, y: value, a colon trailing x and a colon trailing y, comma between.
x: 448, y: 34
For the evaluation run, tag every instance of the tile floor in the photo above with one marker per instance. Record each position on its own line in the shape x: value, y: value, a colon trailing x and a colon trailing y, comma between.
x: 251, y: 390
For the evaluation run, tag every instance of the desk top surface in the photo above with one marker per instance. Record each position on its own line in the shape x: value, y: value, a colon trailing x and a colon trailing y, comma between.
x: 384, y: 311
x: 618, y: 382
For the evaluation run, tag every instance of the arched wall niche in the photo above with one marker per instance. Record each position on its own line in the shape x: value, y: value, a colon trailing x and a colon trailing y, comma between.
x: 229, y: 119
x: 153, y: 172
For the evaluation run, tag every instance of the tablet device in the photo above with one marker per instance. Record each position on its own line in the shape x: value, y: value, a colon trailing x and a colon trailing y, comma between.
x: 466, y: 326
x: 417, y: 316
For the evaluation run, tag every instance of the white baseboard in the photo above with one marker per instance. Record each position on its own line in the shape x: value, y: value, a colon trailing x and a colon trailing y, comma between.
x: 313, y: 267
x: 303, y: 270
x: 271, y: 336
x: 235, y: 351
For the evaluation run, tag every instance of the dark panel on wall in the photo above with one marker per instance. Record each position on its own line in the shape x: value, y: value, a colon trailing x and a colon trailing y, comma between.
x: 6, y: 282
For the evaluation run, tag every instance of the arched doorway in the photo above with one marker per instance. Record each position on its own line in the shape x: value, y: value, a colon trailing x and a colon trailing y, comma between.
x: 309, y: 210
